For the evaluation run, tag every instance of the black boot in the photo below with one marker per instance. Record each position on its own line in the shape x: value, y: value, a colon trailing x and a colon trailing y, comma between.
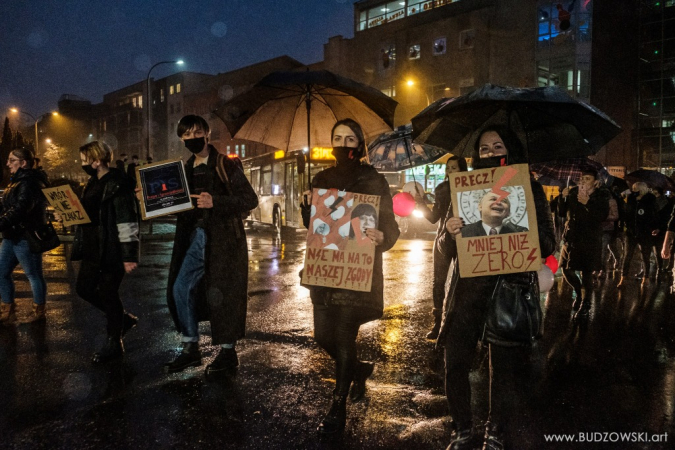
x: 112, y: 349
x: 465, y: 439
x: 493, y: 438
x: 433, y: 334
x: 335, y: 420
x: 190, y: 356
x: 225, y: 363
x: 130, y: 321
x: 363, y: 370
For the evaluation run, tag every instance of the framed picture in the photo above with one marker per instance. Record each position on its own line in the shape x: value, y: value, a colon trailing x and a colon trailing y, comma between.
x: 414, y: 51
x: 164, y: 188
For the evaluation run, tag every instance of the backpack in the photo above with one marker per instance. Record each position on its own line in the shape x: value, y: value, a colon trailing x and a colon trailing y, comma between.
x: 222, y: 174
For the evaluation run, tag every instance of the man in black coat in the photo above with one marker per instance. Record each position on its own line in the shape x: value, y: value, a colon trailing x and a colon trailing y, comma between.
x: 493, y: 212
x: 208, y: 276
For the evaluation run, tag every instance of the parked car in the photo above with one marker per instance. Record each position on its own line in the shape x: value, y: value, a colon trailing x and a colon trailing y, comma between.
x: 416, y: 225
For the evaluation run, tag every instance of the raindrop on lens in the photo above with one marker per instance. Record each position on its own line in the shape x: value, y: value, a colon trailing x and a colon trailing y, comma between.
x: 77, y: 386
x: 219, y: 29
x: 37, y: 38
x: 225, y: 92
x: 142, y: 62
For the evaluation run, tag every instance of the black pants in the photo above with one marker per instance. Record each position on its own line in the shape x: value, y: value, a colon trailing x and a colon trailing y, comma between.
x: 441, y: 265
x: 101, y: 289
x: 586, y: 281
x: 335, y: 330
x: 509, y: 365
x: 645, y: 249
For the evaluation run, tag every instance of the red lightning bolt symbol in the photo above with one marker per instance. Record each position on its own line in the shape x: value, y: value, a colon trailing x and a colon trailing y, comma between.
x: 505, y: 178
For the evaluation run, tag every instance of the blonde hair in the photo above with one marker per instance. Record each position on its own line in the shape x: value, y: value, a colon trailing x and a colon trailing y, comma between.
x: 641, y: 187
x: 97, y: 150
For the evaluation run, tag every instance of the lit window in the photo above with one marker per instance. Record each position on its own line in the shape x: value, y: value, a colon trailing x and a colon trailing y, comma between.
x: 243, y: 150
x: 140, y: 101
x: 171, y: 90
x: 228, y: 149
x: 236, y: 149
x: 414, y: 51
x: 133, y: 101
x: 388, y: 55
x: 178, y: 88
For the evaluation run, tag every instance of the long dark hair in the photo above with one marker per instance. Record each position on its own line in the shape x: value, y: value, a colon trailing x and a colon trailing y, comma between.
x: 356, y: 128
x: 515, y: 152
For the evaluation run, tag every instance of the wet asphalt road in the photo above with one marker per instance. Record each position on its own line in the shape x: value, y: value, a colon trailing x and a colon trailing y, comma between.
x: 614, y: 372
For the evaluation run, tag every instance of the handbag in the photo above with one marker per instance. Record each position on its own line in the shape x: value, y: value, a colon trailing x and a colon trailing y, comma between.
x: 42, y: 239
x: 514, y: 316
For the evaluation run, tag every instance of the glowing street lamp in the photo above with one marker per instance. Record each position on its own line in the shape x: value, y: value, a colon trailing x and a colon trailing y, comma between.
x: 16, y: 110
x: 149, y: 107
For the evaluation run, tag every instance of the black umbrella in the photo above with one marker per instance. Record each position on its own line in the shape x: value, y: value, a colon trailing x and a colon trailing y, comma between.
x: 652, y: 178
x: 395, y: 150
x: 551, y: 124
x: 291, y: 110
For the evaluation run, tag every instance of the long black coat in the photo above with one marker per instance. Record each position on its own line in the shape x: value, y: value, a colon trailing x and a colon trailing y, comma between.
x: 474, y: 293
x: 222, y: 293
x: 583, y: 229
x: 362, y: 179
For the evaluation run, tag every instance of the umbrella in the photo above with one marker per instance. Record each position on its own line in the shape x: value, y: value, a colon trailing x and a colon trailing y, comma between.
x: 394, y: 151
x: 551, y: 124
x: 569, y: 170
x: 653, y: 178
x: 292, y: 110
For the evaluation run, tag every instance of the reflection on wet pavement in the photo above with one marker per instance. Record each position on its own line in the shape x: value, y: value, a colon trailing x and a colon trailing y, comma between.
x: 613, y: 371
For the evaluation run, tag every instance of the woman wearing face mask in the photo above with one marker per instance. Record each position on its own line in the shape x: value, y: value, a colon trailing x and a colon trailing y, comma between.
x: 436, y: 214
x: 466, y: 306
x: 338, y: 313
x: 108, y: 246
x: 23, y: 207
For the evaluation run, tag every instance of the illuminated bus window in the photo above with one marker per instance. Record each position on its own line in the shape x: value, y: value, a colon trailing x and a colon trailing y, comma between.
x: 266, y: 186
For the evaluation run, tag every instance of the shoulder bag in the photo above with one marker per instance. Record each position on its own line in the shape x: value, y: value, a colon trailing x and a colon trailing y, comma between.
x: 42, y: 239
x: 514, y: 316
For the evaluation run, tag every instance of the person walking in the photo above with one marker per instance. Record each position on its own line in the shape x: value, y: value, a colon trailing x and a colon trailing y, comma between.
x: 109, y: 246
x: 208, y: 274
x: 466, y: 305
x: 23, y: 211
x: 641, y: 222
x: 438, y: 213
x: 339, y: 313
x: 585, y: 207
x: 664, y: 209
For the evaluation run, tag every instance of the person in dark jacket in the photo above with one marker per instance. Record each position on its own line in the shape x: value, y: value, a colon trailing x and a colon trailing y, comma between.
x: 641, y: 222
x: 339, y: 313
x: 664, y: 209
x: 208, y: 275
x: 131, y: 168
x: 108, y: 246
x: 438, y: 214
x: 466, y: 305
x: 585, y: 206
x: 23, y: 210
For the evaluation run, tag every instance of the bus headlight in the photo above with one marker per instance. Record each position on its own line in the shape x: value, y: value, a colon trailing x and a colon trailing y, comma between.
x: 417, y: 214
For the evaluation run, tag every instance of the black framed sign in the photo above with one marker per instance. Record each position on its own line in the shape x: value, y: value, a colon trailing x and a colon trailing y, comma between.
x: 164, y: 188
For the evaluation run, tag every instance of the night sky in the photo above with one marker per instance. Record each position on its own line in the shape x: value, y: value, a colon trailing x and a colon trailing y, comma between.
x: 92, y: 47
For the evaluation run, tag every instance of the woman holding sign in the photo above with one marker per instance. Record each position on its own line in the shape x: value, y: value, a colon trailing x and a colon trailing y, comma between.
x: 23, y: 208
x: 467, y: 302
x: 109, y: 246
x: 338, y: 313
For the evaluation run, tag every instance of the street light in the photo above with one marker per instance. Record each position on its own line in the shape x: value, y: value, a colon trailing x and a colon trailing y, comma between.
x: 16, y: 110
x: 147, y: 87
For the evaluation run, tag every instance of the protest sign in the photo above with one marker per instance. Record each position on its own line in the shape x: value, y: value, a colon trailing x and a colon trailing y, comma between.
x: 500, y: 232
x: 164, y: 188
x: 65, y: 202
x: 339, y: 254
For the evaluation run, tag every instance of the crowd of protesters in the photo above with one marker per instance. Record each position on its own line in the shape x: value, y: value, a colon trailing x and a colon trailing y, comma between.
x: 597, y: 230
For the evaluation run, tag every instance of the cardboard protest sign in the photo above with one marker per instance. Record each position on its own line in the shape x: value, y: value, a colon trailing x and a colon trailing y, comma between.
x: 339, y: 254
x: 66, y: 203
x: 500, y: 232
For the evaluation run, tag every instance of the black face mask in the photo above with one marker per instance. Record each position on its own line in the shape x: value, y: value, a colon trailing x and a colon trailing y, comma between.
x: 195, y: 145
x: 346, y: 155
x: 492, y: 161
x: 90, y: 170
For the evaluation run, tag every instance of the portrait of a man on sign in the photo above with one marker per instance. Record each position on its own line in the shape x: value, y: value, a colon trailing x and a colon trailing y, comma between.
x: 339, y: 254
x: 496, y: 205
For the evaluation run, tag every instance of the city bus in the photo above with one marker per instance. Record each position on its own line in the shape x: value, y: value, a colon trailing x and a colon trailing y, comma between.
x: 279, y: 178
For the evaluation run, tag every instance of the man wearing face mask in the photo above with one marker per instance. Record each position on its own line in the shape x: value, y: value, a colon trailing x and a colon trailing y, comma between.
x: 208, y: 275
